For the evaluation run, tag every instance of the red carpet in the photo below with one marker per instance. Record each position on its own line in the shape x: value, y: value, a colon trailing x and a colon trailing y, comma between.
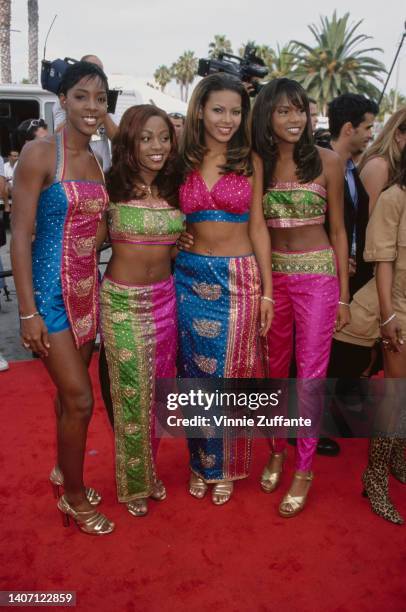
x: 188, y: 554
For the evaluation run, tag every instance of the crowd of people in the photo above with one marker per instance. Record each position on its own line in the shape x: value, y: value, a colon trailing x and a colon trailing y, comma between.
x: 240, y: 249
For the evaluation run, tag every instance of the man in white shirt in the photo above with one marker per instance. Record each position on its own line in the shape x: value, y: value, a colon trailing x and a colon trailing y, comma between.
x: 9, y: 169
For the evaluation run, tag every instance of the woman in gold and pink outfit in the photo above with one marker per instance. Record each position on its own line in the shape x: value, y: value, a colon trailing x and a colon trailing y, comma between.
x: 302, y: 183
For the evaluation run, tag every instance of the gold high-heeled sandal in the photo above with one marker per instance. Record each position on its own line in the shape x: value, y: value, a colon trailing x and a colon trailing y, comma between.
x: 88, y: 521
x: 138, y: 507
x: 222, y: 492
x: 292, y: 505
x: 197, y: 486
x: 56, y: 479
x: 271, y: 480
x: 159, y: 492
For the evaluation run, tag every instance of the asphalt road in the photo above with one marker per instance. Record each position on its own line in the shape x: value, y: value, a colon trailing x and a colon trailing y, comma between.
x: 10, y: 346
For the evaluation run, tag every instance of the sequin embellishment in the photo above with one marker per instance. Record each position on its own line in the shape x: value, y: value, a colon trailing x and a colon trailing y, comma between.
x: 207, y: 291
x: 84, y: 246
x: 312, y: 262
x: 84, y: 286
x: 208, y: 461
x: 145, y: 222
x: 207, y: 328
x: 295, y: 205
x: 206, y: 364
x: 92, y: 206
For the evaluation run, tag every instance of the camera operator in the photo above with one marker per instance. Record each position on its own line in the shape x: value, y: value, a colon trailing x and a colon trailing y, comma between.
x: 252, y: 86
x: 100, y: 141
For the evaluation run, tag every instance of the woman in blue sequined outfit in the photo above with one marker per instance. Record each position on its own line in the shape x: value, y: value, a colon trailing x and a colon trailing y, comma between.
x: 220, y: 279
x: 59, y: 190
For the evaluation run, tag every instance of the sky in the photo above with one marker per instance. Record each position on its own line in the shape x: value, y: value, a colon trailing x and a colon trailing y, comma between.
x: 136, y: 36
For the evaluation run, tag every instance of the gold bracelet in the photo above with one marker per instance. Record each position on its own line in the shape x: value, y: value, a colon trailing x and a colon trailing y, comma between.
x: 31, y: 316
x: 388, y: 320
x: 268, y: 299
x: 343, y: 303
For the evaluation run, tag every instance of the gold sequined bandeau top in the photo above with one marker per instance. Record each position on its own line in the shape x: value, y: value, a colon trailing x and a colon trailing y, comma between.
x: 151, y: 221
x: 293, y: 204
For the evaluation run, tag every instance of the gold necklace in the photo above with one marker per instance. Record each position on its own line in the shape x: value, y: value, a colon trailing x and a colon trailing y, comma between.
x: 147, y: 189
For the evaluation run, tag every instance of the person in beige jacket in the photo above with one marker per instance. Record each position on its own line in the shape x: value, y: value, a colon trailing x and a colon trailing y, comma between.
x: 386, y: 247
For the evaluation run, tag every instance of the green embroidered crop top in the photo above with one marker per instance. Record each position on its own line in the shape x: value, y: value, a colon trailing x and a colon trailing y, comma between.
x: 144, y: 222
x: 294, y: 204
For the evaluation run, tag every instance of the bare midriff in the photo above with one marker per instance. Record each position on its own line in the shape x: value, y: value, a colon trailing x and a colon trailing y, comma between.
x: 140, y: 264
x: 220, y: 238
x: 311, y: 237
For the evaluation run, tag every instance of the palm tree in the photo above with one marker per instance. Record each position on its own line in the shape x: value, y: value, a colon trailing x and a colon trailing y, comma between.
x: 5, y: 26
x: 391, y: 102
x: 32, y: 6
x: 184, y: 71
x: 283, y: 61
x: 335, y: 64
x: 163, y: 76
x: 220, y: 44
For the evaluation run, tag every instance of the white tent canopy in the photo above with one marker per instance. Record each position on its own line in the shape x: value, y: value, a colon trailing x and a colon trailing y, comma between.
x: 137, y: 91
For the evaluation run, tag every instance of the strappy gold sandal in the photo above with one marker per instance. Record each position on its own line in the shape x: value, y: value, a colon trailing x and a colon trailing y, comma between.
x: 270, y: 480
x: 291, y: 505
x: 197, y: 486
x: 88, y: 521
x: 56, y: 478
x: 138, y: 507
x: 222, y: 492
x: 159, y: 492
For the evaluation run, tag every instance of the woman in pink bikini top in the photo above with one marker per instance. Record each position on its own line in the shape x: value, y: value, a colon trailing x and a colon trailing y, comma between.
x: 218, y: 280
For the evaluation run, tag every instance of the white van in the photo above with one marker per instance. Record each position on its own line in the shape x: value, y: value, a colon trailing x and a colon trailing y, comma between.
x: 20, y: 102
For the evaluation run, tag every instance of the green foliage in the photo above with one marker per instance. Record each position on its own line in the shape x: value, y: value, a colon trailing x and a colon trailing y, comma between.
x: 335, y: 64
x: 391, y: 102
x: 163, y: 76
x: 184, y: 72
x: 220, y: 44
x: 283, y: 61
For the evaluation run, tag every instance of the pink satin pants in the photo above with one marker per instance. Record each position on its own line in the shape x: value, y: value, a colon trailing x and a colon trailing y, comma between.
x: 305, y: 312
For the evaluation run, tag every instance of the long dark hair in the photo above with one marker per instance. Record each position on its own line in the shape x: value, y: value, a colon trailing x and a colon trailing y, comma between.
x: 305, y: 153
x: 193, y: 149
x: 126, y: 170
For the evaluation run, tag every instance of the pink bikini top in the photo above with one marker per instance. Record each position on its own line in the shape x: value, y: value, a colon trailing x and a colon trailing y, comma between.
x: 228, y: 200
